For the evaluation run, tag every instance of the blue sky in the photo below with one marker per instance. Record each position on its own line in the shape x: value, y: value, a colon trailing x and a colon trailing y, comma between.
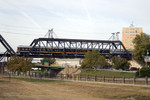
x: 21, y: 21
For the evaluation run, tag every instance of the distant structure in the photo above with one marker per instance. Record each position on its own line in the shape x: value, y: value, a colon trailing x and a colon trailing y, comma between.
x: 49, y: 34
x: 115, y: 36
x: 128, y: 34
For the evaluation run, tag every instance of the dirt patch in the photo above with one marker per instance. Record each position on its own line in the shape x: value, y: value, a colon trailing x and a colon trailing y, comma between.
x: 22, y: 90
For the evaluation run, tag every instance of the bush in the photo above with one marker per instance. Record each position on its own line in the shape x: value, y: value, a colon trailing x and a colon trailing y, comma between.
x: 145, y: 71
x: 120, y: 63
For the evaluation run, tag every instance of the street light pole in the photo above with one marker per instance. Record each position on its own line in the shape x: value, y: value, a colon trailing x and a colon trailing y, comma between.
x: 147, y: 57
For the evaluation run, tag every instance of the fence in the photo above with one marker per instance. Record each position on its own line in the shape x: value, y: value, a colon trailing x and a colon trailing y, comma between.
x: 81, y: 77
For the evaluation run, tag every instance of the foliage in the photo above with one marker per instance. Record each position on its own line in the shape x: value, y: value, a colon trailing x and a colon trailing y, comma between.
x: 86, y: 63
x: 120, y: 63
x: 107, y: 73
x: 40, y: 72
x: 19, y: 64
x: 93, y: 60
x: 141, y: 45
x: 145, y: 71
x: 101, y: 61
x: 50, y: 60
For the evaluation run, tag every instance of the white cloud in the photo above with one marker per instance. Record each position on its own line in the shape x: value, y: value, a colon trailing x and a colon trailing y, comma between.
x: 30, y: 19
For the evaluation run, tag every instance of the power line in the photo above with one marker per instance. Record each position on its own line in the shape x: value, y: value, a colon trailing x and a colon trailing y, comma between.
x: 4, y: 25
x: 18, y: 33
x: 21, y: 30
x: 56, y: 35
x: 29, y: 28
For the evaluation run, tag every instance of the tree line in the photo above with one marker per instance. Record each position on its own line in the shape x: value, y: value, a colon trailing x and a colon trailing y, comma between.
x: 22, y: 64
x: 94, y: 60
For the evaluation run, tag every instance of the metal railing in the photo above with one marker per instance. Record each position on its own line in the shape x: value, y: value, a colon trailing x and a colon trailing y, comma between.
x: 82, y: 77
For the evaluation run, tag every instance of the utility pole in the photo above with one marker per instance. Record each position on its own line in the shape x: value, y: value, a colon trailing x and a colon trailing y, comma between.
x: 147, y: 57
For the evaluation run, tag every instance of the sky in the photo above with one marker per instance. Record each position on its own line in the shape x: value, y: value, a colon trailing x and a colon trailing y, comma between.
x: 22, y: 21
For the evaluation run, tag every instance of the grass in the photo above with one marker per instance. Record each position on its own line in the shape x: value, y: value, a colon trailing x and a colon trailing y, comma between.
x: 108, y: 73
x: 71, y: 91
x: 38, y: 80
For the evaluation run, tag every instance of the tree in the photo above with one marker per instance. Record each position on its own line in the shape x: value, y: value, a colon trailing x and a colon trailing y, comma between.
x: 26, y: 64
x: 13, y: 63
x: 141, y: 45
x: 49, y: 60
x: 87, y: 61
x: 19, y: 64
x: 101, y: 61
x: 120, y: 63
x: 93, y: 60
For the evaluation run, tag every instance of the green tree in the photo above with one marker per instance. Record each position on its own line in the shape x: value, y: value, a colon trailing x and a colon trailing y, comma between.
x: 120, y: 63
x: 87, y: 61
x: 141, y: 45
x: 19, y: 64
x: 49, y: 60
x: 93, y: 60
x: 101, y: 61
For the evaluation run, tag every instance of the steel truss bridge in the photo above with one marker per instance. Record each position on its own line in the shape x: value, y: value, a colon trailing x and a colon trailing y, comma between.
x: 9, y: 51
x: 66, y: 48
x: 75, y: 48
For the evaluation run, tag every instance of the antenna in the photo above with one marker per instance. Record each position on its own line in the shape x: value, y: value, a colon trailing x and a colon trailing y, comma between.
x: 49, y: 33
x: 115, y: 36
x: 132, y: 23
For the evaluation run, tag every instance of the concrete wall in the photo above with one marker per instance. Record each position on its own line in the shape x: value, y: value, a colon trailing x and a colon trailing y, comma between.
x: 135, y: 64
x: 70, y: 62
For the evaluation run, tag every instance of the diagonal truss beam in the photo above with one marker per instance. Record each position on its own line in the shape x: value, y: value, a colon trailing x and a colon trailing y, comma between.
x: 7, y: 46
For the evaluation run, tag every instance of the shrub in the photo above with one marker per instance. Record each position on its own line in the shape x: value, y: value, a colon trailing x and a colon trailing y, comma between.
x: 145, y: 71
x: 120, y: 63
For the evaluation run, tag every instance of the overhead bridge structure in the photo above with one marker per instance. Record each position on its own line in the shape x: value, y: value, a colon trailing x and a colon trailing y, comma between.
x: 72, y: 48
x: 66, y: 48
x: 9, y: 51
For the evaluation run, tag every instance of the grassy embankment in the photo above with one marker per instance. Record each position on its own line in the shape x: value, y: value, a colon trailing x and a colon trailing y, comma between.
x: 101, y: 73
x: 108, y: 73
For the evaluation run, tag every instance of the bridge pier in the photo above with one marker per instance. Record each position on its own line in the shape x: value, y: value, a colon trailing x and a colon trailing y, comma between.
x: 2, y: 67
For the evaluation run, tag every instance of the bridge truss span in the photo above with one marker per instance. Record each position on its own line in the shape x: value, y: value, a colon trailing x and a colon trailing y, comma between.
x: 73, y: 48
x: 74, y: 43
